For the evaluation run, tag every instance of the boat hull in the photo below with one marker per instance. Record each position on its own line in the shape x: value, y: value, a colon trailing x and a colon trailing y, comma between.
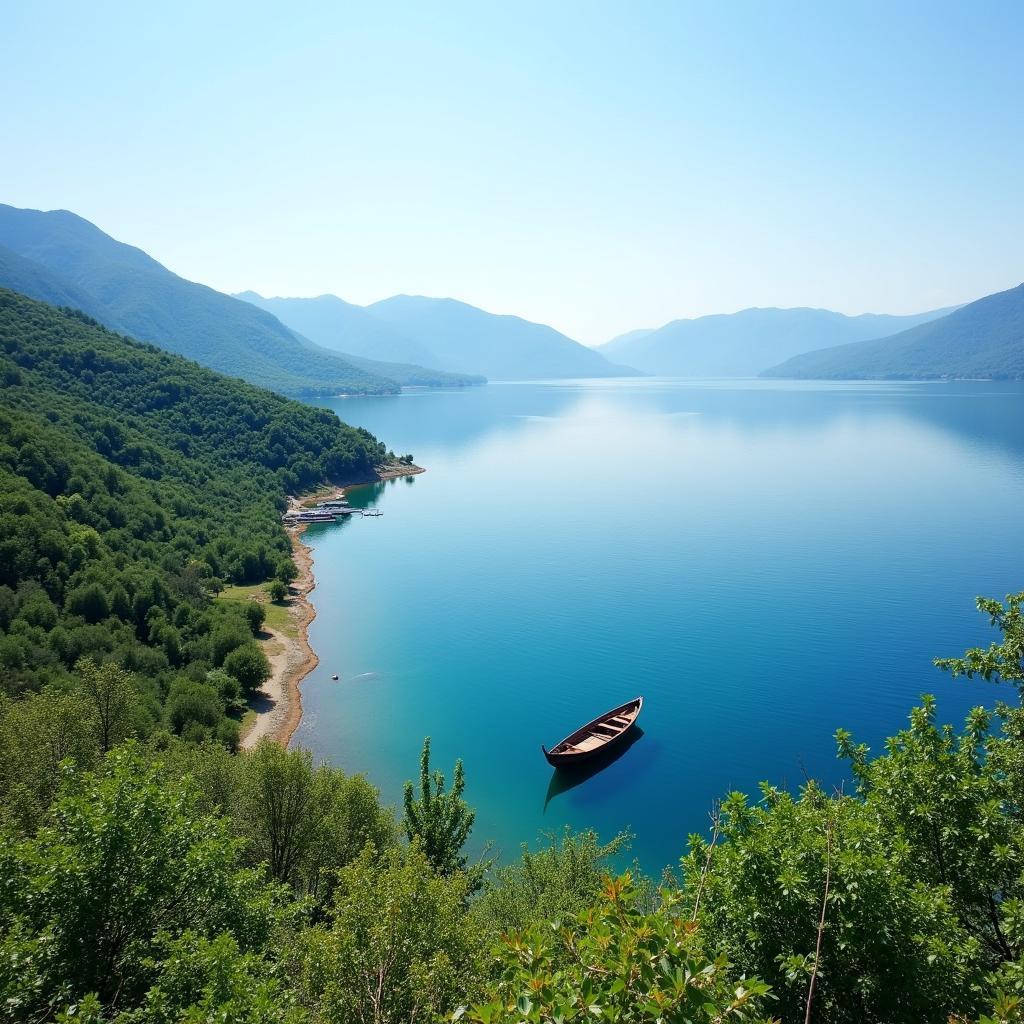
x: 560, y: 757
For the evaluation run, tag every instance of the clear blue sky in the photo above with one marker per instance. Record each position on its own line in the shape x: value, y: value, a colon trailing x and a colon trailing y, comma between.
x: 595, y: 166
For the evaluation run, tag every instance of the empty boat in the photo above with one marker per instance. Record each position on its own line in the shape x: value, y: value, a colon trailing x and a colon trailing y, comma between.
x: 595, y: 737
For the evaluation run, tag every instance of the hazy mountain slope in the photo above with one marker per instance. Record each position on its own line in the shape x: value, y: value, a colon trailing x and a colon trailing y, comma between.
x: 333, y: 323
x: 33, y: 279
x: 410, y: 375
x: 621, y: 340
x: 130, y: 292
x: 983, y: 339
x: 745, y: 343
x: 472, y: 340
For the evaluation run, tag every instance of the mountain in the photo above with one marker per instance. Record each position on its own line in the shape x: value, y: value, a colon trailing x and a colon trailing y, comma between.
x: 984, y: 339
x: 130, y: 292
x: 336, y: 324
x: 463, y: 337
x: 31, y: 278
x: 409, y: 375
x: 745, y: 343
x: 623, y: 339
x: 362, y: 340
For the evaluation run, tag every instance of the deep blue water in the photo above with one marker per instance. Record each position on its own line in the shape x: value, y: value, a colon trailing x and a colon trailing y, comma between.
x: 763, y: 561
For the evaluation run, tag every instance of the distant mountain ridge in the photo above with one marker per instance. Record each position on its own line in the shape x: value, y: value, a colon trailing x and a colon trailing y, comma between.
x: 500, y: 346
x: 746, y: 343
x: 982, y: 340
x: 445, y: 333
x: 33, y: 279
x: 60, y: 257
x: 336, y: 324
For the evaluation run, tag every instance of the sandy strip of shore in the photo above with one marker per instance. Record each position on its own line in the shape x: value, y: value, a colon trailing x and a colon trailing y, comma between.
x: 278, y: 705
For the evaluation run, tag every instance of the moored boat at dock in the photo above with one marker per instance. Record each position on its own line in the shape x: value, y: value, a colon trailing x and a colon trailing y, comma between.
x: 308, y: 516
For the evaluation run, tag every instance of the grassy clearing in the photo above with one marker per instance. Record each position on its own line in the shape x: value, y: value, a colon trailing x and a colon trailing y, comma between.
x: 278, y: 618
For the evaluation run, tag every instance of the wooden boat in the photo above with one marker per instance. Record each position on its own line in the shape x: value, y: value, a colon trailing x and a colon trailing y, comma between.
x: 595, y: 737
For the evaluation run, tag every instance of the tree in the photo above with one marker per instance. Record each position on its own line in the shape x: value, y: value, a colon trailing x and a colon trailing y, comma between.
x: 354, y: 820
x: 89, y: 601
x: 616, y: 963
x: 306, y: 822
x: 114, y: 698
x: 984, y: 854
x: 255, y: 613
x: 949, y: 800
x: 440, y: 822
x: 249, y: 665
x: 282, y: 807
x: 191, y: 702
x: 278, y: 590
x: 904, y: 899
x: 1000, y: 661
x: 211, y: 979
x: 125, y: 868
x: 37, y: 733
x: 558, y: 880
x: 399, y: 947
x: 227, y: 636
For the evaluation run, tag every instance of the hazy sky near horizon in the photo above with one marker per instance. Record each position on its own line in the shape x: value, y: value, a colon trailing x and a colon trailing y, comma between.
x: 595, y: 166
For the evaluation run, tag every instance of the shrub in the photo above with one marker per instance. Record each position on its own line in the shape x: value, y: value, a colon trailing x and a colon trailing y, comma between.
x: 249, y: 665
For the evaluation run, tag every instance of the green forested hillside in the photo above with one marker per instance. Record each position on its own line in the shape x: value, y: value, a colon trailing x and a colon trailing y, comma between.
x: 129, y: 291
x: 982, y: 340
x: 131, y: 481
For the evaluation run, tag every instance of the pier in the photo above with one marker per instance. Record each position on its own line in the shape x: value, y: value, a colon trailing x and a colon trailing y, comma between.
x: 326, y: 515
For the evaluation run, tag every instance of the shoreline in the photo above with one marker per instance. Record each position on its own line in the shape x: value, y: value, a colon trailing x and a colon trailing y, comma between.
x: 281, y: 695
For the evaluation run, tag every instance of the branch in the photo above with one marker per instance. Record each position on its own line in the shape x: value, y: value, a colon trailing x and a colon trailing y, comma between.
x: 716, y: 820
x: 821, y: 920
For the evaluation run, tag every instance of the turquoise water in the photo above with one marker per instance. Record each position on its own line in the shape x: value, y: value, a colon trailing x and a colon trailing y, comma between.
x: 763, y: 561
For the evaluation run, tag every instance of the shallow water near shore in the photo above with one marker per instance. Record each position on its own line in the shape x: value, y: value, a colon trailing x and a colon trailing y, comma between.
x: 764, y: 561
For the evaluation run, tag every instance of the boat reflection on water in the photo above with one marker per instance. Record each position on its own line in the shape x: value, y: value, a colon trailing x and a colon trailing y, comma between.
x: 565, y: 778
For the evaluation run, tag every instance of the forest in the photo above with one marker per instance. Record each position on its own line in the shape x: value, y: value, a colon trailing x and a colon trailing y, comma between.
x: 151, y: 873
x: 134, y: 484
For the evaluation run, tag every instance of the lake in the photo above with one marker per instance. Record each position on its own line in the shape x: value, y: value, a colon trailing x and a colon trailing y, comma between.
x: 765, y: 561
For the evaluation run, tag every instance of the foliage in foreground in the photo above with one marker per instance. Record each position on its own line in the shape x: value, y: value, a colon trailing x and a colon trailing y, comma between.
x: 106, y: 897
x: 557, y: 880
x: 920, y: 872
x: 613, y: 962
x: 169, y: 882
x: 400, y: 945
x: 439, y: 821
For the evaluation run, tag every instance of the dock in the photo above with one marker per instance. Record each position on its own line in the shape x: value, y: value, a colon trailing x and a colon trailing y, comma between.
x: 325, y: 515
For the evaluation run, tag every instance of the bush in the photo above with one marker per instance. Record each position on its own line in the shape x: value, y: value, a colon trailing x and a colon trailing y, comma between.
x: 226, y: 637
x: 255, y: 614
x: 89, y: 601
x: 99, y: 899
x: 400, y: 947
x: 249, y: 665
x: 616, y: 963
x: 189, y: 702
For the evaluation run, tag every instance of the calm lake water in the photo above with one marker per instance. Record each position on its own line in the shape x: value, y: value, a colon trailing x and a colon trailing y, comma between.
x: 763, y: 561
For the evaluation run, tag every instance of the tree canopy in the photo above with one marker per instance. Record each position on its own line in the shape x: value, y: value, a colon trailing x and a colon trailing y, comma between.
x: 132, y: 483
